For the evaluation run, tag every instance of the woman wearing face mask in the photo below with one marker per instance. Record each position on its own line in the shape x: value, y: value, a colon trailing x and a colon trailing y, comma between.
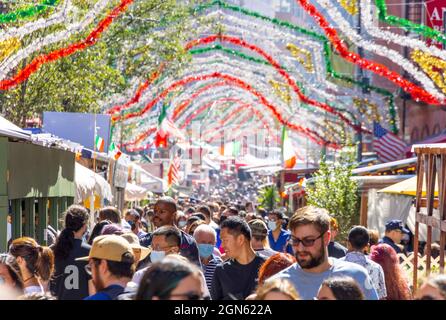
x: 181, y: 220
x: 70, y: 280
x: 35, y: 263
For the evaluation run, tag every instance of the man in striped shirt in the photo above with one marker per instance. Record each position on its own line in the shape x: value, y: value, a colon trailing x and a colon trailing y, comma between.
x: 206, y: 237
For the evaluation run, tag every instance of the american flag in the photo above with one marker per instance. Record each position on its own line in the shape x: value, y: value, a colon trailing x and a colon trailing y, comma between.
x: 173, y: 173
x: 387, y: 145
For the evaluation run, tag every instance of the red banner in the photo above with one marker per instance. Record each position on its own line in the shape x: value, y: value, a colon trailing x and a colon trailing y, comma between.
x: 435, y: 15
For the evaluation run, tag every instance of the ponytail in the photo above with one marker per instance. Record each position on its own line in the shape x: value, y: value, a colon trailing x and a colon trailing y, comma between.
x: 64, y: 244
x: 39, y: 260
x: 45, y: 263
x: 75, y: 218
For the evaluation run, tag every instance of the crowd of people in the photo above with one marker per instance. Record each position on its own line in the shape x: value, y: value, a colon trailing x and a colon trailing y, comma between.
x: 197, y: 249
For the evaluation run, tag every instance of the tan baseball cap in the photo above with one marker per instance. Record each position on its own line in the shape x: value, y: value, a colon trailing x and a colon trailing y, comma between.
x: 108, y: 247
x: 134, y: 243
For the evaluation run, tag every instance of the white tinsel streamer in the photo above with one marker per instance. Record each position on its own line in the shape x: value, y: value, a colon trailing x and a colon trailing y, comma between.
x: 296, y: 39
x: 11, y: 62
x: 390, y: 54
x: 370, y: 21
x: 257, y: 31
x: 230, y: 66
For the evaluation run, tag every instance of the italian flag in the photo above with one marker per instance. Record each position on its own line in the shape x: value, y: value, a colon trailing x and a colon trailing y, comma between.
x: 288, y: 154
x: 99, y: 143
x: 166, y: 128
x: 114, y: 151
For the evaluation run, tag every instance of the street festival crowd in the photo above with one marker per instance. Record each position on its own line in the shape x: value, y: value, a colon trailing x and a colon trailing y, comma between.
x: 211, y: 248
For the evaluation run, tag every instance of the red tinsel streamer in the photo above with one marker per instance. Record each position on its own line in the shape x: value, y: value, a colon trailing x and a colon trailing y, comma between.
x: 242, y: 106
x: 188, y: 101
x: 139, y: 92
x: 140, y: 137
x: 314, y: 136
x: 417, y: 93
x: 270, y: 59
x: 90, y: 40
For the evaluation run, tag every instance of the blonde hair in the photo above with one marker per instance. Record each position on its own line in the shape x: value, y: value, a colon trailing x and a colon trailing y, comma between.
x: 277, y: 285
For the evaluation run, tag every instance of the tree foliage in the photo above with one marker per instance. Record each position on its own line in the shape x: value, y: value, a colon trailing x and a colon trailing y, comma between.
x: 268, y: 198
x: 334, y: 190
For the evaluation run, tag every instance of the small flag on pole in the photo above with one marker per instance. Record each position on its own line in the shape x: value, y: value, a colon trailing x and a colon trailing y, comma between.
x: 288, y: 153
x: 114, y: 151
x: 99, y: 143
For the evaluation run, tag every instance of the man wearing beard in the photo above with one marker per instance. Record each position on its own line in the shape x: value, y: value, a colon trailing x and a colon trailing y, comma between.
x: 111, y: 266
x: 310, y: 236
x: 165, y: 211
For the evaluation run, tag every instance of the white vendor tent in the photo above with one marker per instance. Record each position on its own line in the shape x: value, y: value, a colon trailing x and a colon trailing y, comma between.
x: 89, y: 183
x: 134, y: 192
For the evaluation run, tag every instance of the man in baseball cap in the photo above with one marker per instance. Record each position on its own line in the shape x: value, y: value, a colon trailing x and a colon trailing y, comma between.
x: 111, y: 266
x: 259, y: 241
x: 394, y: 234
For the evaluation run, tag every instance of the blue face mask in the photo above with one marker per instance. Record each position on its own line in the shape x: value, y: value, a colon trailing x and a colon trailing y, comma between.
x: 205, y: 250
x: 156, y: 256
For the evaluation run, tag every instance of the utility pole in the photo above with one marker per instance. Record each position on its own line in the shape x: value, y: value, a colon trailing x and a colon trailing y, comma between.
x: 361, y: 78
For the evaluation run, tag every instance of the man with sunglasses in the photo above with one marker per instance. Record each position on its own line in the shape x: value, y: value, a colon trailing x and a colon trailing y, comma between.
x: 310, y: 236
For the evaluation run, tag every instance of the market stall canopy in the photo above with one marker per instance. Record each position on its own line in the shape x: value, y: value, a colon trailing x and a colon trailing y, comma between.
x: 388, y: 166
x: 134, y: 192
x: 152, y: 183
x: 408, y: 187
x: 89, y: 183
x: 10, y: 130
x: 211, y: 164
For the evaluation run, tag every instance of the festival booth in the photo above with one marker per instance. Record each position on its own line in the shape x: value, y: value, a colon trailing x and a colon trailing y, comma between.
x: 92, y: 190
x: 401, y: 206
x: 375, y: 206
x: 36, y: 184
x: 134, y: 193
x: 289, y: 179
x: 153, y: 184
x: 430, y: 207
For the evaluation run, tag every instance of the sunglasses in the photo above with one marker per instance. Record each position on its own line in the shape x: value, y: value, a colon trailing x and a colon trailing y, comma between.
x: 306, y: 242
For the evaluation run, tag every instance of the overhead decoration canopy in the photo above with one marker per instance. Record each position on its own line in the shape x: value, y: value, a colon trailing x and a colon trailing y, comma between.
x: 248, y: 72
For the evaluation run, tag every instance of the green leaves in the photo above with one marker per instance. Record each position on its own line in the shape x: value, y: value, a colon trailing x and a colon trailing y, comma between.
x: 268, y: 198
x: 335, y: 191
